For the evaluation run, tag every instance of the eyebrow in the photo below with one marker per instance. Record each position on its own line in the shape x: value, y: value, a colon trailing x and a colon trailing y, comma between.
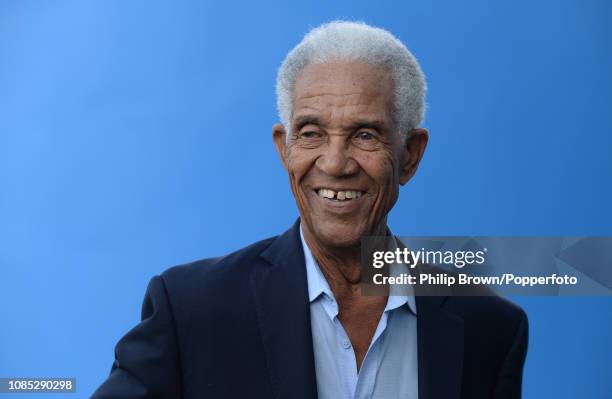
x: 369, y: 124
x: 304, y: 120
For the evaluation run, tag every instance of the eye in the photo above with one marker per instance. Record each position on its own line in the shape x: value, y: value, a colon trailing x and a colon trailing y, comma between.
x: 365, y: 136
x: 309, y: 134
x: 366, y: 139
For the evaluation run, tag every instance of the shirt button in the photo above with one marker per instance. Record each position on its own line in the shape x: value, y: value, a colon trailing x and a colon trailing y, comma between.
x: 346, y: 344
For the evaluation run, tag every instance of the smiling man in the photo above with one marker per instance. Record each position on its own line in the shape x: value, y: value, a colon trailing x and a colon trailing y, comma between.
x: 285, y: 317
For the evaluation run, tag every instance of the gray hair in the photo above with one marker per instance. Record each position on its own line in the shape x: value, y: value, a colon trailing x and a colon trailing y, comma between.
x: 345, y: 40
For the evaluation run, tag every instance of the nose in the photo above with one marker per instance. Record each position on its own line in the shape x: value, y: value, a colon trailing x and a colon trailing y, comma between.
x: 335, y: 159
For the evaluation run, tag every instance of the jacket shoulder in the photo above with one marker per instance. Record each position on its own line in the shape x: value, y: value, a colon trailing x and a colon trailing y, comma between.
x: 488, y: 308
x: 492, y: 323
x: 231, y: 260
x: 215, y: 274
x: 478, y: 303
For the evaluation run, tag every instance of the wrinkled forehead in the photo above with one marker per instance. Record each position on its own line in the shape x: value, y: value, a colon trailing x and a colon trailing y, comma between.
x: 354, y: 85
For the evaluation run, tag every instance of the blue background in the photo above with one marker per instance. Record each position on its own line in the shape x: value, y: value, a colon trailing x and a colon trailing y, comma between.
x: 136, y: 135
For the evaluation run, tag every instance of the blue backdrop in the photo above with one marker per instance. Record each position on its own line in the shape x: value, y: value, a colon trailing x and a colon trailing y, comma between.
x: 136, y: 135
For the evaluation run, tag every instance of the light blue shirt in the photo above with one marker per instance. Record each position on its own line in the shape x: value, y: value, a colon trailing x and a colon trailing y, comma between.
x: 389, y: 369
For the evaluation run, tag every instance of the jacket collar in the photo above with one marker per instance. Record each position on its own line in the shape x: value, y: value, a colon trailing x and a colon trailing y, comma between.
x: 283, y: 311
x: 440, y: 349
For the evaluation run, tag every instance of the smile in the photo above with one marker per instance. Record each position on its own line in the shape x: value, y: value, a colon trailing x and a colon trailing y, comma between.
x: 344, y: 195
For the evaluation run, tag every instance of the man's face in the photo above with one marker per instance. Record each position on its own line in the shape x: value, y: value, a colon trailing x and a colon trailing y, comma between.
x: 345, y: 157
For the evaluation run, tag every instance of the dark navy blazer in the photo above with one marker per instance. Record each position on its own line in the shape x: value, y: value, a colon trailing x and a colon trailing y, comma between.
x: 239, y: 327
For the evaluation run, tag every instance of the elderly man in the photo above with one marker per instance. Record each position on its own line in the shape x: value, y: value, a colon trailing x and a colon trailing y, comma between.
x: 285, y: 317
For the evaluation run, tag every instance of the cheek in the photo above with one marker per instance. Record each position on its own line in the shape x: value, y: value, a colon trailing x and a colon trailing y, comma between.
x: 298, y: 165
x: 389, y: 181
x: 382, y: 168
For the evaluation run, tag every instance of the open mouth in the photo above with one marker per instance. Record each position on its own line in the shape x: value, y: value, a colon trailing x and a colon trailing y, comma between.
x: 344, y: 195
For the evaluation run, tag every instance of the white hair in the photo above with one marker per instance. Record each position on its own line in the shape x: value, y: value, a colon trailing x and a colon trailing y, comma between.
x: 345, y: 40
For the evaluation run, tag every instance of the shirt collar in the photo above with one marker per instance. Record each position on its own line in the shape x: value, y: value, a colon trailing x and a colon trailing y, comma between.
x: 400, y: 294
x: 318, y: 285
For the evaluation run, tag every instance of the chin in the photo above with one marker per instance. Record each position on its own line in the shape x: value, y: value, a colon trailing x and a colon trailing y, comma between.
x: 337, y: 233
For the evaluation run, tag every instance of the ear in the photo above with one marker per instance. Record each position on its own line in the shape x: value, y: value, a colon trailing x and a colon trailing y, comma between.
x: 412, y: 153
x: 279, y: 135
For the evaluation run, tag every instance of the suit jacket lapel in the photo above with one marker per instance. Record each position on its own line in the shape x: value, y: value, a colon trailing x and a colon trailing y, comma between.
x: 283, y: 310
x: 440, y: 349
x: 440, y: 339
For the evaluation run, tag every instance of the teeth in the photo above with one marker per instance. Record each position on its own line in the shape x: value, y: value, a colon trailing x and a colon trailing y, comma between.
x: 340, y: 195
x: 325, y: 193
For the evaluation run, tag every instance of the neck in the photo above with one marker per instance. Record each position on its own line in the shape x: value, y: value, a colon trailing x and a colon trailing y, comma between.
x: 341, y: 266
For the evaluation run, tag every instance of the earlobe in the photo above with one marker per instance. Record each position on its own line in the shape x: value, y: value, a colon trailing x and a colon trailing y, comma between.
x: 279, y: 136
x: 413, y: 151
